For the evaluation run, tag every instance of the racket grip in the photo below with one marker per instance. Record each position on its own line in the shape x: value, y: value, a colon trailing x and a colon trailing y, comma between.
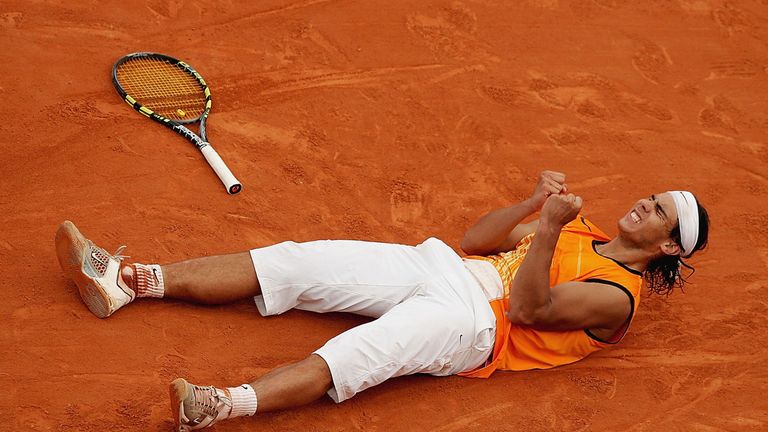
x: 225, y: 175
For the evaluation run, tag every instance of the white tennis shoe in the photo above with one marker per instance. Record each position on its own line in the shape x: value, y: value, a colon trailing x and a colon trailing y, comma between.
x: 95, y: 272
x: 196, y: 407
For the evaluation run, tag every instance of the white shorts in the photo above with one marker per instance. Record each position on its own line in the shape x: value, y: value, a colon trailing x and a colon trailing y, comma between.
x: 432, y: 315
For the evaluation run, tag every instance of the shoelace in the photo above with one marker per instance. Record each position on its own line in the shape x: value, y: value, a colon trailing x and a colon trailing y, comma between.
x: 102, y: 255
x: 205, y: 399
x: 119, y: 253
x: 100, y: 258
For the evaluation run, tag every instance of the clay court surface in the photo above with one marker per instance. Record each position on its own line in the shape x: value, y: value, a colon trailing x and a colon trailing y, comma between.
x: 390, y: 121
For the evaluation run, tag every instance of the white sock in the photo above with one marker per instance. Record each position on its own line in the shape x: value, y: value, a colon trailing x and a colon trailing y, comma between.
x: 148, y: 280
x: 243, y: 401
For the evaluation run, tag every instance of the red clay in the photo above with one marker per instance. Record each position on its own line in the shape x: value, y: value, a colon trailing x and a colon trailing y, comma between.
x: 391, y: 121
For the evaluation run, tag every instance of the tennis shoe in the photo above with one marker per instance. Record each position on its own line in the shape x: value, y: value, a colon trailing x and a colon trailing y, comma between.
x: 196, y: 407
x: 95, y: 272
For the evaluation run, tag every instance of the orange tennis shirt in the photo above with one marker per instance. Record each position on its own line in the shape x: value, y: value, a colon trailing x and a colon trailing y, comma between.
x: 575, y: 259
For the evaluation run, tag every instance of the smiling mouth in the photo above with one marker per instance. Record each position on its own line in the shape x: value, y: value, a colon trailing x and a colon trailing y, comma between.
x: 634, y: 216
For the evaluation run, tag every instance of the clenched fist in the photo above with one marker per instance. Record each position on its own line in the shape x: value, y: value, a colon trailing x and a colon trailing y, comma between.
x: 550, y: 183
x: 558, y: 210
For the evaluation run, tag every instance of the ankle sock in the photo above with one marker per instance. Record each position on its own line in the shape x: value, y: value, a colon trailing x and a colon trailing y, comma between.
x: 243, y: 400
x: 148, y: 280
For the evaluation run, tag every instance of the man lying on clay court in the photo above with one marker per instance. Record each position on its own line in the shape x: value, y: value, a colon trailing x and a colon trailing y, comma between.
x: 528, y: 296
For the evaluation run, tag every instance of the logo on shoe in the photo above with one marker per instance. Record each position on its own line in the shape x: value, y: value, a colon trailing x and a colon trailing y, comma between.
x: 98, y: 263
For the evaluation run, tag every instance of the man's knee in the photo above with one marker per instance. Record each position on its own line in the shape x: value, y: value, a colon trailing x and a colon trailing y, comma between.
x: 316, y: 367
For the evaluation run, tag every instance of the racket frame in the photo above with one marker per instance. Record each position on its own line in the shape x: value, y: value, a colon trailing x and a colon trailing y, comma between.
x: 200, y: 140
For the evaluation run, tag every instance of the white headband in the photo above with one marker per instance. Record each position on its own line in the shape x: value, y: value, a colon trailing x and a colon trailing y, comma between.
x: 688, y: 219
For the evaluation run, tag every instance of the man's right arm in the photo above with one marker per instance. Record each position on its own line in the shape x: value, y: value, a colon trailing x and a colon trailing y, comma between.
x: 492, y: 233
x: 500, y: 230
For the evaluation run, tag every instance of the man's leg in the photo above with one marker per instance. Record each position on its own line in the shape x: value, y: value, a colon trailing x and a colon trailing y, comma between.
x: 293, y: 385
x: 106, y: 284
x: 209, y: 280
x: 195, y: 407
x: 430, y: 333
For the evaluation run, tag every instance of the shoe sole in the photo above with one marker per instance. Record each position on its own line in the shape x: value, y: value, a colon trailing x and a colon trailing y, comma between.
x: 178, y: 391
x: 70, y: 246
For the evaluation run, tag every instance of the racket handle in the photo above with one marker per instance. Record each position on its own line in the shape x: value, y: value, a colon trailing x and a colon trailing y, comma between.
x: 225, y: 175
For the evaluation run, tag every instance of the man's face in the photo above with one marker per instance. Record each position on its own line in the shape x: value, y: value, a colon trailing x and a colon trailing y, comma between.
x: 650, y: 220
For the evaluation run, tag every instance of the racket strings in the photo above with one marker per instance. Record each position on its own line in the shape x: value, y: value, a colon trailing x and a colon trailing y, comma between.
x: 163, y: 87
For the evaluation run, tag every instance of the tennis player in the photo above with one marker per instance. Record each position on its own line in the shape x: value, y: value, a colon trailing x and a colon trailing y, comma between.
x: 528, y: 295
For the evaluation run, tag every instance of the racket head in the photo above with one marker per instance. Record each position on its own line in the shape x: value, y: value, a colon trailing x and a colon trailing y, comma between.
x: 162, y: 87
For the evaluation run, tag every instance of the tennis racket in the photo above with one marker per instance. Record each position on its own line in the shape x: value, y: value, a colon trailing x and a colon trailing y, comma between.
x: 173, y: 94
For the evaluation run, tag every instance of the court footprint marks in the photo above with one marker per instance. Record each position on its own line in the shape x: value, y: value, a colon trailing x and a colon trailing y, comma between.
x: 166, y: 9
x: 355, y: 225
x: 552, y: 94
x: 172, y: 366
x: 482, y: 135
x: 591, y: 97
x: 294, y: 172
x: 720, y: 328
x: 86, y: 109
x: 711, y: 118
x: 568, y: 138
x: 333, y: 52
x: 449, y: 32
x: 598, y: 181
x: 406, y: 200
x: 10, y: 20
x: 544, y: 4
x: 721, y: 114
x: 758, y: 234
x: 687, y: 394
x: 593, y: 383
x: 722, y: 119
x: 651, y: 60
x: 731, y: 18
x: 649, y: 108
x: 577, y: 143
x: 579, y: 97
x: 737, y: 69
x: 507, y: 96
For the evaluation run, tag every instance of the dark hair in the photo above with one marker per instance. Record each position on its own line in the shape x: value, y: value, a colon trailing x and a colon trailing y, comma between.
x: 664, y: 274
